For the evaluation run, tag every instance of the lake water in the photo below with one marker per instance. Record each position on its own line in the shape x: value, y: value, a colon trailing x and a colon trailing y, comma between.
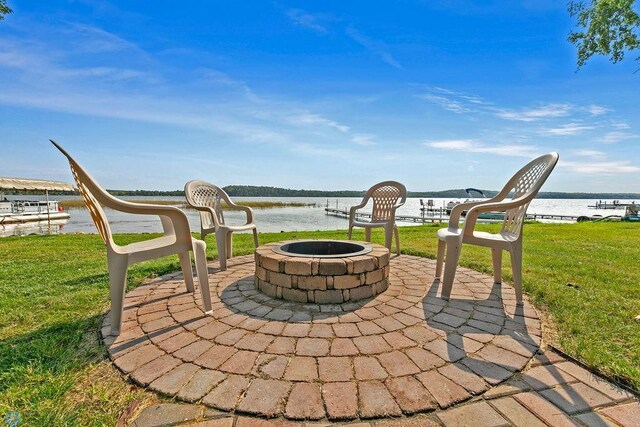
x: 309, y: 218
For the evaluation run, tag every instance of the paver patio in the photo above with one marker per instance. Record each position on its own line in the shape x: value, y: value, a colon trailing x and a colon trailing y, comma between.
x: 403, y: 357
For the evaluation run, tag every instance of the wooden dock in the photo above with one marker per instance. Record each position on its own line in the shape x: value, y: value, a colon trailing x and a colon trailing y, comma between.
x: 402, y: 218
x: 611, y: 205
x: 422, y: 219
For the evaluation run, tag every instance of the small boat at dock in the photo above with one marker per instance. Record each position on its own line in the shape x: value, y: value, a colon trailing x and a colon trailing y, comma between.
x: 21, y: 211
x: 15, y: 211
x: 454, y: 203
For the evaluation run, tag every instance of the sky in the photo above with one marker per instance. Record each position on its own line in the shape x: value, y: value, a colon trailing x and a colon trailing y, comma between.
x: 328, y: 95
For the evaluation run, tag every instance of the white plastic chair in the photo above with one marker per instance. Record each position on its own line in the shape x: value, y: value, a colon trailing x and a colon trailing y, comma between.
x: 177, y: 239
x: 387, y: 197
x: 522, y: 188
x: 207, y: 199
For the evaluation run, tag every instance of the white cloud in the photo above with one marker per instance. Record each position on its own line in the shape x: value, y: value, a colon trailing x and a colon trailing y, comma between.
x: 457, y: 102
x: 472, y: 146
x: 446, y: 103
x: 363, y: 139
x: 452, y: 144
x: 534, y: 114
x: 104, y: 73
x: 616, y: 136
x: 315, y: 119
x: 49, y: 80
x: 601, y: 168
x: 590, y: 153
x: 41, y: 64
x: 314, y: 150
x: 221, y: 78
x: 376, y: 47
x: 306, y: 20
x: 91, y: 39
x: 597, y: 110
x: 620, y: 125
x: 566, y: 129
x: 474, y: 99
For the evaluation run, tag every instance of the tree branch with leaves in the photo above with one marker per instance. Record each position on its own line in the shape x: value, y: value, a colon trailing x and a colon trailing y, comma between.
x: 605, y: 27
x: 4, y: 9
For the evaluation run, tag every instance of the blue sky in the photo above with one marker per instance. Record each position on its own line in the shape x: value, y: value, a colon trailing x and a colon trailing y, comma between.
x: 316, y: 95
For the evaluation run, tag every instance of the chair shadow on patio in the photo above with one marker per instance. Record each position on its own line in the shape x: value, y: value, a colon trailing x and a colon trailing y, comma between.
x: 510, y: 348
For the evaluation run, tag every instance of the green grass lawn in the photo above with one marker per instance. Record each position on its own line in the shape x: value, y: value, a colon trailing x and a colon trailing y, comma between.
x: 54, y: 289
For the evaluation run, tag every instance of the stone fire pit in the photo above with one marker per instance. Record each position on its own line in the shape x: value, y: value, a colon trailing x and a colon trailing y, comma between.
x: 322, y: 271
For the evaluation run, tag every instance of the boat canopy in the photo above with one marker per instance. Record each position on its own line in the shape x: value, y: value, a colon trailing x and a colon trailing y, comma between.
x: 34, y: 184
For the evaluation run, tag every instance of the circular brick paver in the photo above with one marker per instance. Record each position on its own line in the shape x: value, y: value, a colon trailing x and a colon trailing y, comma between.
x: 404, y: 351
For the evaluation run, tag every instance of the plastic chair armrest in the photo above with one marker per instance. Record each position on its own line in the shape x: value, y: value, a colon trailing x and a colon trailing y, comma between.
x: 174, y: 221
x: 211, y: 212
x: 141, y: 208
x: 456, y: 211
x: 352, y: 213
x: 248, y: 211
x: 472, y: 214
x: 353, y: 209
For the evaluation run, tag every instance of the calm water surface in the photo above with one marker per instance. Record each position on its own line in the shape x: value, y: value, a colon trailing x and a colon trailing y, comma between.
x: 309, y: 218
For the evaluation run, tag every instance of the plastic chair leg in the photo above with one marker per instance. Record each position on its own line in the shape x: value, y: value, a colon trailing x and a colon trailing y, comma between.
x: 229, y: 248
x: 367, y: 234
x: 221, y: 240
x: 350, y: 232
x: 516, y: 268
x: 187, y: 270
x: 117, y: 285
x: 442, y: 245
x: 450, y: 266
x: 255, y: 237
x: 496, y: 254
x: 397, y: 236
x: 388, y: 235
x: 200, y: 255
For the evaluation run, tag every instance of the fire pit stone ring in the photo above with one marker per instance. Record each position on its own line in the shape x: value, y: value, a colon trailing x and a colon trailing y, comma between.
x: 322, y: 271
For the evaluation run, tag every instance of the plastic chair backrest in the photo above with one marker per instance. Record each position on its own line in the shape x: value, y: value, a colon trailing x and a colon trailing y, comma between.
x: 93, y: 195
x: 385, y: 196
x: 525, y: 184
x: 203, y: 194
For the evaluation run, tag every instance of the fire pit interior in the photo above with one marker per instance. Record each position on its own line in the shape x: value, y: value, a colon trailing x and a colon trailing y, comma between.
x: 322, y: 271
x: 322, y: 249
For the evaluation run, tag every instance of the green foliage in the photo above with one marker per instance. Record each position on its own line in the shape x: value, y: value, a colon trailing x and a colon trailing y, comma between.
x: 4, y: 9
x: 256, y: 191
x: 146, y: 193
x: 606, y: 27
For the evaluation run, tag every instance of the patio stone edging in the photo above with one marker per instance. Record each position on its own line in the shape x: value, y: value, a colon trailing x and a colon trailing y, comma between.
x: 405, y: 351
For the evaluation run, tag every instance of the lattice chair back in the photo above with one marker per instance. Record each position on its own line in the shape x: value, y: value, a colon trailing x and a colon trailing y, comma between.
x: 94, y: 196
x: 525, y: 184
x: 203, y: 194
x: 385, y: 196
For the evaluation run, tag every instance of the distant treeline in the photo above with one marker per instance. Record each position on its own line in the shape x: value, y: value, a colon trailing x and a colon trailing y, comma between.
x: 256, y: 191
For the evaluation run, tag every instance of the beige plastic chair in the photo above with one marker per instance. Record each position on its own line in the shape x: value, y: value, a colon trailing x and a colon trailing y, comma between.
x: 207, y: 199
x: 522, y: 189
x: 176, y: 240
x: 387, y: 197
